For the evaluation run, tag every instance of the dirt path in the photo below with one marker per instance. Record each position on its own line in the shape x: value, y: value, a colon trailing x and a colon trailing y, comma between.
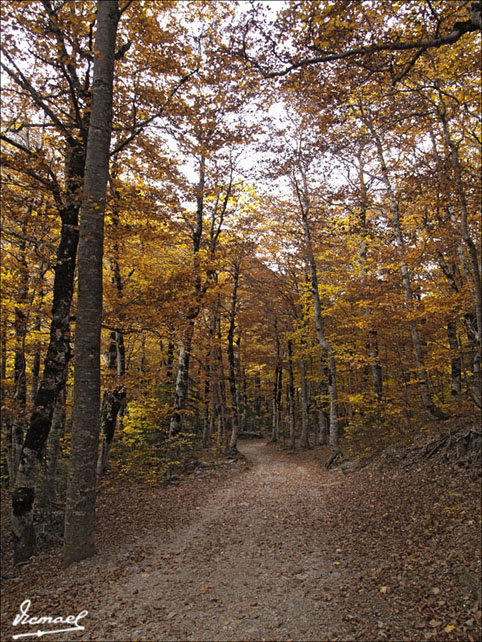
x: 280, y: 551
x: 250, y: 566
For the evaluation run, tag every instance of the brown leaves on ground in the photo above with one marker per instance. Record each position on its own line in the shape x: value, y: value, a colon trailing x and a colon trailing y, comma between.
x: 410, y: 531
x: 280, y: 550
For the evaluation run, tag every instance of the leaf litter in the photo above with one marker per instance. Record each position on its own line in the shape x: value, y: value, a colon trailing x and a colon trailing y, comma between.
x: 277, y: 550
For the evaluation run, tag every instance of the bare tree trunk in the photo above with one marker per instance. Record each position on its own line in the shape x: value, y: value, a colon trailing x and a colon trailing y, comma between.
x: 323, y: 411
x: 81, y: 488
x: 450, y: 273
x: 361, y: 228
x: 274, y: 406
x: 221, y: 388
x: 279, y: 400
x: 35, y: 373
x: 3, y: 352
x: 245, y: 413
x: 207, y: 395
x: 114, y: 399
x: 113, y: 404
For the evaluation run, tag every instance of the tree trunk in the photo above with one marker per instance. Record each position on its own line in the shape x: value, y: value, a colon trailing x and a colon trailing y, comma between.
x: 304, y: 440
x: 182, y: 381
x: 377, y: 379
x: 455, y: 361
x: 274, y: 406
x: 17, y: 421
x: 319, y: 323
x: 3, y: 352
x: 53, y: 449
x: 56, y: 361
x: 113, y: 404
x: 323, y: 410
x: 291, y: 396
x: 35, y: 373
x: 81, y: 488
x: 221, y: 388
x: 233, y: 441
x: 47, y: 490
x: 115, y: 398
x: 276, y: 391
x: 207, y: 395
x: 361, y: 228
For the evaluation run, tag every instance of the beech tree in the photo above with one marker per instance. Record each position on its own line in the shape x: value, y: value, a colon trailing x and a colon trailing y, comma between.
x: 81, y: 489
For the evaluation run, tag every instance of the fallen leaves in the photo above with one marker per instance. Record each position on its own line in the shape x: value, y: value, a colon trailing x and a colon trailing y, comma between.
x: 356, y: 560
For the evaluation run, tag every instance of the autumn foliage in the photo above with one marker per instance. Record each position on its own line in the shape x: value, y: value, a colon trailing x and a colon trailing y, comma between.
x: 251, y: 150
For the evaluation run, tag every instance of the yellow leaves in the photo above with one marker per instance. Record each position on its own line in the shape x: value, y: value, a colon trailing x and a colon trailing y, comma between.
x: 143, y: 417
x: 453, y: 509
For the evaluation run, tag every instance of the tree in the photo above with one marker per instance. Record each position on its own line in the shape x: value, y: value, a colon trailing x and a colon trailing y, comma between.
x: 81, y: 489
x: 335, y: 31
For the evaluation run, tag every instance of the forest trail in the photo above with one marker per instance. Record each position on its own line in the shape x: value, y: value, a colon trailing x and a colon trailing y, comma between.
x: 279, y: 550
x: 251, y: 566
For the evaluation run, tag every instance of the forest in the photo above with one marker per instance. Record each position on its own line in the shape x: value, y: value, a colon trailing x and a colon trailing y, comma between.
x: 227, y: 224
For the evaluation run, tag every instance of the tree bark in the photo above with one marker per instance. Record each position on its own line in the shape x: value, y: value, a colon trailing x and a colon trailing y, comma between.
x: 323, y: 409
x: 233, y: 441
x: 56, y: 361
x: 182, y: 381
x: 17, y: 421
x: 81, y: 488
x: 304, y: 439
x: 221, y: 388
x: 361, y: 228
x: 53, y: 448
x: 113, y: 404
x: 114, y: 399
x: 207, y: 393
x: 455, y: 360
x: 276, y: 391
x: 36, y: 363
x: 3, y: 352
x: 291, y: 396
